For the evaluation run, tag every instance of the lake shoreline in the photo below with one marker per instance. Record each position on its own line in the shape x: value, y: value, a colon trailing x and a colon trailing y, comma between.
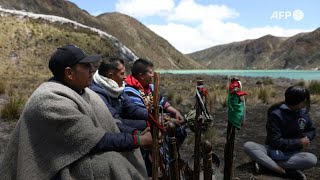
x: 290, y: 74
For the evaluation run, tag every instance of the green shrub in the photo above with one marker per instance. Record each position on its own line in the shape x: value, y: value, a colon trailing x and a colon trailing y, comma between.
x: 314, y: 87
x: 13, y: 108
x: 259, y: 82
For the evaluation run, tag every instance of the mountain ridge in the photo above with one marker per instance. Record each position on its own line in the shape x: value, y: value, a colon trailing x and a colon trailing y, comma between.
x: 301, y: 51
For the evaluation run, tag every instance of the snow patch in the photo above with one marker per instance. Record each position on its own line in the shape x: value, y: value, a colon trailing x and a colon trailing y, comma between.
x: 124, y: 51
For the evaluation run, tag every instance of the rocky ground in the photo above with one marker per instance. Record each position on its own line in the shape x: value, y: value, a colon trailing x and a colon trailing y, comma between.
x: 253, y: 130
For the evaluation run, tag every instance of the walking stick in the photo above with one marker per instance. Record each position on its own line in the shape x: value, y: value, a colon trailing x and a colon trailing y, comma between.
x: 236, y: 114
x: 228, y: 152
x: 173, y: 155
x: 197, y: 129
x: 155, y: 130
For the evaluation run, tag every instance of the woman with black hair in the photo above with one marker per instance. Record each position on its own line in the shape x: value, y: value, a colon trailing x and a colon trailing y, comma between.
x: 289, y: 131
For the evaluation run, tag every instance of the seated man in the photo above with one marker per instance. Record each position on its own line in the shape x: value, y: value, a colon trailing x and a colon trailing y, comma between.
x: 108, y: 83
x: 289, y: 131
x: 139, y: 88
x: 64, y: 131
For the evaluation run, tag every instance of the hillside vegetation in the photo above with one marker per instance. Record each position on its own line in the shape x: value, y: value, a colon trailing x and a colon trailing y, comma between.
x: 301, y: 51
x: 26, y: 45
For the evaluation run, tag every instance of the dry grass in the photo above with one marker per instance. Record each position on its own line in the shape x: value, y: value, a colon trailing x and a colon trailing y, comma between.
x: 26, y: 45
x: 314, y: 87
x: 13, y: 108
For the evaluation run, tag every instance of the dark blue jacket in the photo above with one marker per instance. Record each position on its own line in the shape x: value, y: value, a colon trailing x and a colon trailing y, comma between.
x: 285, y: 127
x: 122, y: 108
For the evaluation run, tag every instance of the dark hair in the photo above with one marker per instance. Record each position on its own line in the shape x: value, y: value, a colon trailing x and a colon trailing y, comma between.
x: 293, y: 96
x: 110, y: 63
x: 296, y: 94
x: 140, y: 66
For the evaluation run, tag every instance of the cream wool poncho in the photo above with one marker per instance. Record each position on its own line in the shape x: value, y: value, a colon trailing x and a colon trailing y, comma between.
x: 55, y: 134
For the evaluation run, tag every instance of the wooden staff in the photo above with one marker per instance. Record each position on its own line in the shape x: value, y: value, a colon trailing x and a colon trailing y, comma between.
x: 228, y: 152
x: 197, y: 129
x: 207, y: 160
x: 155, y: 130
x: 173, y: 155
x: 234, y: 121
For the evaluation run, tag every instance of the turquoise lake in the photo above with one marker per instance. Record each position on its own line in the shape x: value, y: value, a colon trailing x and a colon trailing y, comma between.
x: 291, y: 74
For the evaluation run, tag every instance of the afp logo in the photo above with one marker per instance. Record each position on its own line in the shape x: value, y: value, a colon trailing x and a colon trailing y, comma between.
x: 296, y: 15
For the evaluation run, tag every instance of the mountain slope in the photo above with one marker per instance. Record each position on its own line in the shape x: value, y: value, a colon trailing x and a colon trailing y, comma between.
x: 27, y: 43
x: 129, y: 31
x: 301, y: 51
x: 145, y: 42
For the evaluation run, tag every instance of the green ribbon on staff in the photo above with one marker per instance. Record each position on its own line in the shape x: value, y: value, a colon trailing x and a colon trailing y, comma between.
x: 236, y: 105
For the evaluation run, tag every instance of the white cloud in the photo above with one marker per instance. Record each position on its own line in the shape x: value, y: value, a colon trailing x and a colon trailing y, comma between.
x: 192, y: 27
x: 143, y: 8
x: 190, y: 39
x: 182, y: 37
x: 188, y: 11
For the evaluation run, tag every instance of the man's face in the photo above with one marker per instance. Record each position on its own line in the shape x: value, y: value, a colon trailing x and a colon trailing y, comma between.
x: 119, y: 75
x: 146, y: 78
x: 81, y: 75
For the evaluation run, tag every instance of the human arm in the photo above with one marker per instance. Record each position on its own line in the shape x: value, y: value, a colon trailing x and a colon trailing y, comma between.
x: 122, y: 142
x: 136, y: 124
x: 276, y: 137
x: 132, y: 110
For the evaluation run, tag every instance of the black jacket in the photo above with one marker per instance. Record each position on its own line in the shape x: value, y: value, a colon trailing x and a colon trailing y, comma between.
x: 285, y: 127
x: 122, y: 108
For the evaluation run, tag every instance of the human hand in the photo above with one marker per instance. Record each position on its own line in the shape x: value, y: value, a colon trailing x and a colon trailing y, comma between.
x: 180, y: 118
x: 146, y: 140
x: 145, y: 130
x: 175, y: 121
x: 305, y: 141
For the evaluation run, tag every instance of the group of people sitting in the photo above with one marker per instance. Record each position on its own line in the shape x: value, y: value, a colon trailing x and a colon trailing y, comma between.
x: 87, y: 124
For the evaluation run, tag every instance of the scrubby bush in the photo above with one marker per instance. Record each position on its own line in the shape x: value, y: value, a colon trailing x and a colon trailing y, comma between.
x: 267, y: 81
x: 12, y: 109
x: 314, y: 87
x: 263, y: 95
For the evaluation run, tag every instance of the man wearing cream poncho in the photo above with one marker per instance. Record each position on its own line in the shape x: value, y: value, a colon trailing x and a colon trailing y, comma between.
x: 59, y: 129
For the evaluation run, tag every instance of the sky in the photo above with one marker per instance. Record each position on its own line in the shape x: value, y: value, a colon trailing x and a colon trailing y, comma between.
x: 193, y: 25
